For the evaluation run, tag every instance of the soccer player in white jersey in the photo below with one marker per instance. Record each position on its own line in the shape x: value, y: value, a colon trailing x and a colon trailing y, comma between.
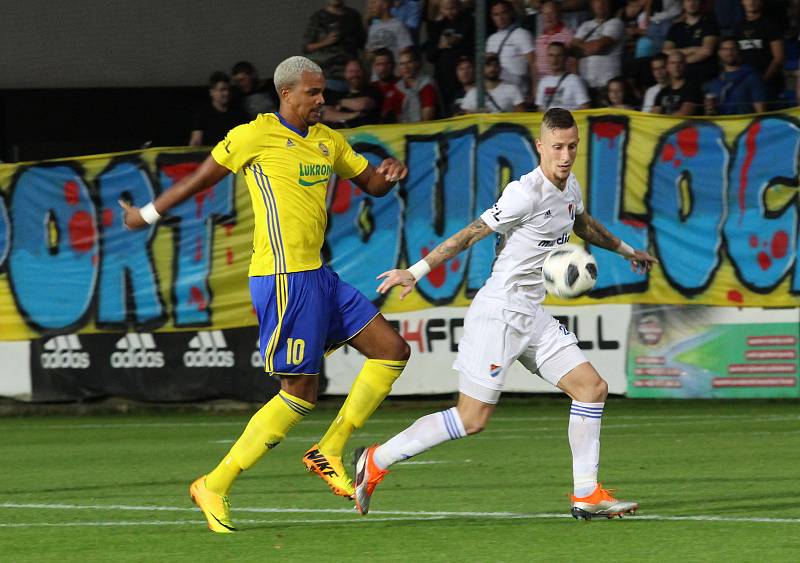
x: 506, y: 322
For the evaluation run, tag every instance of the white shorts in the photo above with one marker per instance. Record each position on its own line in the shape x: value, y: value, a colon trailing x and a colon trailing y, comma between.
x: 497, y: 334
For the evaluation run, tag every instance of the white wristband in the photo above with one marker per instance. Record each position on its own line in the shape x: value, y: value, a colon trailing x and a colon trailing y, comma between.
x: 625, y: 249
x: 149, y: 213
x: 420, y: 269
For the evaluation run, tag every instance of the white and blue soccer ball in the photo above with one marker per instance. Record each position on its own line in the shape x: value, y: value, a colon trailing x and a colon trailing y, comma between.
x: 569, y: 271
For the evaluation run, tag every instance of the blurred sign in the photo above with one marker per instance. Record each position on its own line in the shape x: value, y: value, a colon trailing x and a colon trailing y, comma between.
x: 713, y: 352
x: 433, y: 335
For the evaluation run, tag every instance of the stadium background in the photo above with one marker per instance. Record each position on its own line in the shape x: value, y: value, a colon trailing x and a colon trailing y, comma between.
x: 716, y: 479
x: 118, y: 88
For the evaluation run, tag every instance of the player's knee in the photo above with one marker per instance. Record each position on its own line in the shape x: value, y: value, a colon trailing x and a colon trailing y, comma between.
x: 301, y: 386
x: 400, y: 351
x: 600, y: 390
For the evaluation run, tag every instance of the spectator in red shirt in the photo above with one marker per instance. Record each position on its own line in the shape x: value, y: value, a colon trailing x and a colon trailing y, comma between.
x: 386, y: 83
x: 553, y: 29
x: 420, y: 99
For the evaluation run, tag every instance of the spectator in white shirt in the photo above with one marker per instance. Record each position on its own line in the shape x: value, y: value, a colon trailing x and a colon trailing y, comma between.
x: 658, y: 66
x: 561, y: 89
x: 501, y: 97
x: 599, y: 43
x: 385, y: 31
x: 515, y: 48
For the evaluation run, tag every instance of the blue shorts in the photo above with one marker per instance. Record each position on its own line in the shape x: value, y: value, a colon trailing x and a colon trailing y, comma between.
x: 302, y: 315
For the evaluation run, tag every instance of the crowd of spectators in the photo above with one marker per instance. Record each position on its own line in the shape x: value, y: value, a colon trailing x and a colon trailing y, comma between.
x: 414, y: 60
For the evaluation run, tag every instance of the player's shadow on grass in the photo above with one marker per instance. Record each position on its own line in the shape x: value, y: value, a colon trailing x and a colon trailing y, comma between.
x: 116, y: 486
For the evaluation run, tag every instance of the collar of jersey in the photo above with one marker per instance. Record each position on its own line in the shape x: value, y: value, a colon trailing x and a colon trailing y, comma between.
x: 563, y: 192
x: 290, y: 126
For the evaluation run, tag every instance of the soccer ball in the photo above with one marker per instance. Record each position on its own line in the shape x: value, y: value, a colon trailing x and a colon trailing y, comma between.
x: 569, y: 271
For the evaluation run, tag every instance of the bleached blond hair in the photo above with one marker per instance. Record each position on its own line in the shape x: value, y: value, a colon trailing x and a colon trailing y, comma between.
x: 289, y: 72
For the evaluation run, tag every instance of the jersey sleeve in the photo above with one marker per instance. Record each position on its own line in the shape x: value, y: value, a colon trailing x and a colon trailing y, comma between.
x: 348, y: 163
x: 237, y: 149
x: 509, y: 211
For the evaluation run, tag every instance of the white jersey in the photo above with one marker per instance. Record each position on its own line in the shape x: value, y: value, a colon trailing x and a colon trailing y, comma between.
x: 534, y: 217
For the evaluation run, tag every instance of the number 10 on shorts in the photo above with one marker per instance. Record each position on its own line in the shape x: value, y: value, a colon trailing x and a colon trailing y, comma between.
x: 295, y: 350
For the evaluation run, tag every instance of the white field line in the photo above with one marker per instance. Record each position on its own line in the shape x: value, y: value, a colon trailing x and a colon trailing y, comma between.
x: 383, y: 515
x: 666, y: 417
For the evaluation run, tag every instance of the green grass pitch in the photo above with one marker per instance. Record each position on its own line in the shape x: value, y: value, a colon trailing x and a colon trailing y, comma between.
x: 717, y: 481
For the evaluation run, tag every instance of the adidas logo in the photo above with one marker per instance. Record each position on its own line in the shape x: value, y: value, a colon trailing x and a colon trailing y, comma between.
x: 208, y: 350
x: 256, y: 359
x: 137, y: 351
x: 64, y: 352
x: 548, y: 214
x: 289, y: 143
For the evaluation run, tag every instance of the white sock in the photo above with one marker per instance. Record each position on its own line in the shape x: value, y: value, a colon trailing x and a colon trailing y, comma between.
x: 426, y: 432
x: 584, y: 440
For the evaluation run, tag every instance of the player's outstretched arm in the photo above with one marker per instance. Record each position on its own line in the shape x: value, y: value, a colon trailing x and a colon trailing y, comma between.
x: 207, y: 174
x: 463, y: 239
x: 378, y: 181
x: 594, y: 232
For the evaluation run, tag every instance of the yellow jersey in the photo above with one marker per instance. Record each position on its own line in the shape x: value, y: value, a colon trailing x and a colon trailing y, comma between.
x: 287, y: 174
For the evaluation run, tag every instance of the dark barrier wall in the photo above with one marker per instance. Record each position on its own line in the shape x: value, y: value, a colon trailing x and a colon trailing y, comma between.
x: 163, y: 367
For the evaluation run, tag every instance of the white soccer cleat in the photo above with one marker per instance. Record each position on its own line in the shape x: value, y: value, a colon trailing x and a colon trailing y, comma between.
x: 601, y: 503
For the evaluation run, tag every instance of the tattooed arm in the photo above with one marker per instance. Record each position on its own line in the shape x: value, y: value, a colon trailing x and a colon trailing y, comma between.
x: 593, y: 232
x: 463, y: 239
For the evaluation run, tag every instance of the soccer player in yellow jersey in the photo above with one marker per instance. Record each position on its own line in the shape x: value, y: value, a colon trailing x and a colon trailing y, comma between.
x: 303, y: 308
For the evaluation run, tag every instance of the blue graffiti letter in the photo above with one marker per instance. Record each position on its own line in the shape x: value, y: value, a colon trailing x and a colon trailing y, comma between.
x: 687, y: 200
x: 126, y: 254
x: 762, y: 243
x: 53, y: 262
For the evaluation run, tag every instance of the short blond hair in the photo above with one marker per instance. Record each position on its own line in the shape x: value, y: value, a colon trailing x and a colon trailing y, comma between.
x: 290, y: 71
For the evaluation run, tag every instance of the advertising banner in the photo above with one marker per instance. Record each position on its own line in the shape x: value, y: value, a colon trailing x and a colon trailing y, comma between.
x: 715, y: 201
x: 144, y: 366
x: 713, y: 352
x: 433, y: 335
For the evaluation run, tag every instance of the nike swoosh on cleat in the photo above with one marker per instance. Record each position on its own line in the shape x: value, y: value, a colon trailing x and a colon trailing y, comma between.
x: 231, y: 528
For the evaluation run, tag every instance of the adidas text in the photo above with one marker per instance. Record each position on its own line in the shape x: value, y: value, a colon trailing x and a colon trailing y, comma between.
x: 137, y: 359
x: 209, y: 350
x: 208, y: 359
x: 65, y: 359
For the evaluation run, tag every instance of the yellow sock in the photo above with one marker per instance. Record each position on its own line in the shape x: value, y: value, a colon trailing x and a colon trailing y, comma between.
x: 369, y: 389
x: 266, y: 429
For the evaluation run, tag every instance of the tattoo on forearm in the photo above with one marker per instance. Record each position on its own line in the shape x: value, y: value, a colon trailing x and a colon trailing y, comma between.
x: 464, y: 238
x: 595, y: 233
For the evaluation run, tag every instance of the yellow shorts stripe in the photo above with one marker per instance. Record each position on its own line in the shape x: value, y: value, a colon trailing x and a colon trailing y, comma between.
x: 282, y: 300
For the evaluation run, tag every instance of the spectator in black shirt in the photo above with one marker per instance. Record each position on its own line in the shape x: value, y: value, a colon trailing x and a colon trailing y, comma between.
x: 213, y: 121
x: 360, y: 105
x: 450, y: 37
x: 334, y: 35
x: 465, y: 74
x: 728, y: 14
x: 695, y: 35
x: 761, y: 46
x: 681, y: 96
x: 251, y: 93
